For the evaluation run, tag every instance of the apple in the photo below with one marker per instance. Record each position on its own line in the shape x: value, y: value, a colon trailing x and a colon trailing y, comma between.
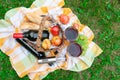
x: 76, y: 26
x: 55, y: 30
x: 56, y: 41
x: 64, y: 19
x: 46, y: 44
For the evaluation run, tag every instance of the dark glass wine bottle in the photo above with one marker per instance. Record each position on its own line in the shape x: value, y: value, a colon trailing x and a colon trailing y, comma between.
x: 45, y: 35
x: 31, y: 35
x: 39, y: 55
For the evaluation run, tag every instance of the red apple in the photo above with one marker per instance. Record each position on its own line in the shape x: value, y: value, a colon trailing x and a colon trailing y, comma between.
x: 64, y: 19
x: 55, y: 30
x: 76, y: 26
x: 56, y: 41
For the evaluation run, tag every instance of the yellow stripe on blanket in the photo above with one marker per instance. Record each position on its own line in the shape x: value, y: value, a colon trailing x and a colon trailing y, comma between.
x: 2, y: 40
x: 83, y: 65
x: 28, y: 71
x: 44, y: 9
x: 19, y: 66
x: 23, y: 70
x: 96, y: 49
x: 66, y: 11
x: 62, y: 3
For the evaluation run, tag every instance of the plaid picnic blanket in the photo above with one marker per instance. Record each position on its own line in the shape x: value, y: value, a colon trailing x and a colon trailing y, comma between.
x: 23, y: 62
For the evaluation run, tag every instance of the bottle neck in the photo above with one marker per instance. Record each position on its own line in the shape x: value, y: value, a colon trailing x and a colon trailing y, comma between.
x: 18, y: 35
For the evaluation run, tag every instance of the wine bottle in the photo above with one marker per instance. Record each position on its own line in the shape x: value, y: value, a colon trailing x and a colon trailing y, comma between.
x: 39, y: 55
x: 31, y: 35
x: 45, y: 35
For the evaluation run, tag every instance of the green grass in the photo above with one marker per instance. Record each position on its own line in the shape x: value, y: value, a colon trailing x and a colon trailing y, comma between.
x: 103, y: 17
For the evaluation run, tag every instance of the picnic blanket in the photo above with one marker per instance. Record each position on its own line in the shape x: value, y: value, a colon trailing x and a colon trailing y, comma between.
x: 23, y: 62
